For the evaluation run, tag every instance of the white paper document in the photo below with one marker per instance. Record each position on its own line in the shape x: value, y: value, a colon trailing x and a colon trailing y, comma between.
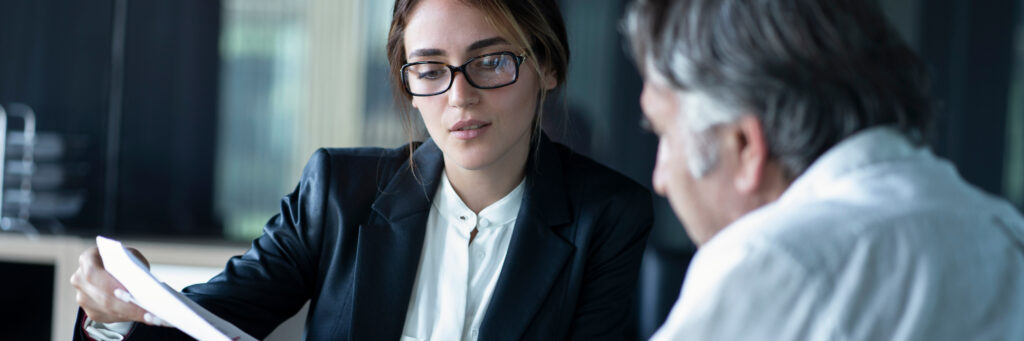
x: 163, y: 301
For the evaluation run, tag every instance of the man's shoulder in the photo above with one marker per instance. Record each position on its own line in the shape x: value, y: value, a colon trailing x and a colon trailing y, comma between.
x: 823, y: 235
x: 817, y: 236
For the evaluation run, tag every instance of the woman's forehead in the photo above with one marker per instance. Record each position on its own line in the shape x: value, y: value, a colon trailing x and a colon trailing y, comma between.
x: 451, y: 27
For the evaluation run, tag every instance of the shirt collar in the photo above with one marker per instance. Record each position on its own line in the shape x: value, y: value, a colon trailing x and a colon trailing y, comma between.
x: 497, y: 214
x: 506, y: 209
x: 869, y: 147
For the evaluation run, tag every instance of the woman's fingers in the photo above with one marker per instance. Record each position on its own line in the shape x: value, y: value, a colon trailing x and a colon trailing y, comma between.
x: 101, y: 296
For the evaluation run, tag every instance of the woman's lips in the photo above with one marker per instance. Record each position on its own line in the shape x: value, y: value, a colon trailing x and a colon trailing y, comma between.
x: 469, y: 129
x: 470, y: 132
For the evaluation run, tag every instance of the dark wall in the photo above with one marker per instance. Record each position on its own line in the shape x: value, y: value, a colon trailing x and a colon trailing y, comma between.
x: 169, y: 123
x: 56, y: 58
x: 137, y: 82
x: 968, y: 46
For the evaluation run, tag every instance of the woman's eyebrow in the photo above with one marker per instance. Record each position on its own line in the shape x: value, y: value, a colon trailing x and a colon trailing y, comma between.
x: 426, y: 53
x: 479, y: 44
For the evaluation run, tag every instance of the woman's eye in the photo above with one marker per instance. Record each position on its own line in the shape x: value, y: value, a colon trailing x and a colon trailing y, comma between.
x: 490, y: 62
x: 431, y: 74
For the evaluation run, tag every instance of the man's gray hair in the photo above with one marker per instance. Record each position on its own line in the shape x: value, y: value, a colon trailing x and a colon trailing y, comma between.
x: 700, y: 114
x: 812, y: 71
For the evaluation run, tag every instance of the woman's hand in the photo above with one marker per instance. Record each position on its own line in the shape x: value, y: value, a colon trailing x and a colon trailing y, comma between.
x: 102, y: 297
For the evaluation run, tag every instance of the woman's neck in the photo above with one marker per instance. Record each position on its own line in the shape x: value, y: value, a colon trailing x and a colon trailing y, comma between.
x: 479, y: 188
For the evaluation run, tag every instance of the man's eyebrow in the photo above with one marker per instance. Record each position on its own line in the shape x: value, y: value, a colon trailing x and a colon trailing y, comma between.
x: 426, y: 53
x: 479, y: 44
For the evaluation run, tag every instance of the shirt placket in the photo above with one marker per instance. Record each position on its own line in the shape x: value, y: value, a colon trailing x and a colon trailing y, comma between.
x: 455, y: 287
x: 477, y: 262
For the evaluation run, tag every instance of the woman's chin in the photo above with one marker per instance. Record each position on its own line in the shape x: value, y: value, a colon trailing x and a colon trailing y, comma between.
x: 479, y: 156
x: 472, y: 163
x: 469, y: 156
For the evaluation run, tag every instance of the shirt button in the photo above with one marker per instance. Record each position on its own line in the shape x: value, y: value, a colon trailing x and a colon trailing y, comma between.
x: 473, y: 333
x: 485, y: 223
x: 480, y: 254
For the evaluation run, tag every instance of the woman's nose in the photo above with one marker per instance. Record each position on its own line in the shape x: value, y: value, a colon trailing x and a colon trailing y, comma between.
x: 462, y: 94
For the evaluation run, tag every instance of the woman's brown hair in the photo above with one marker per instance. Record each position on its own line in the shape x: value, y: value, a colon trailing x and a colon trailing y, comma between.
x: 536, y: 26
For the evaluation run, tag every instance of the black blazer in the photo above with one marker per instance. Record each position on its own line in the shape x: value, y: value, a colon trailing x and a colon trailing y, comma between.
x: 349, y: 239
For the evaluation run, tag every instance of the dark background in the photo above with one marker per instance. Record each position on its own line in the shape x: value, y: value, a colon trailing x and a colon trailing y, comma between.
x: 149, y: 134
x: 27, y: 299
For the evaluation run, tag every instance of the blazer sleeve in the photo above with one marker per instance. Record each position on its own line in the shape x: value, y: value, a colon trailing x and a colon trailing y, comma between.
x: 608, y: 293
x: 276, y: 276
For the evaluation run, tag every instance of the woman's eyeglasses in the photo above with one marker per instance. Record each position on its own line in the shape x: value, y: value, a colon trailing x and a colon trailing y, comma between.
x: 489, y: 71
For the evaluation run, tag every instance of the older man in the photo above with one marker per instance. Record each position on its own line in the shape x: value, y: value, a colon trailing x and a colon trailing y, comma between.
x: 792, y: 147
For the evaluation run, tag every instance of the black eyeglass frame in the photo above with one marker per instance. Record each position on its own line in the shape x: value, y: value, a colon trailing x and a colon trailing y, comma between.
x: 462, y: 68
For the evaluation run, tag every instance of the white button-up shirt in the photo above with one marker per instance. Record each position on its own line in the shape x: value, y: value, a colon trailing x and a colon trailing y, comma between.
x: 877, y: 240
x: 456, y: 278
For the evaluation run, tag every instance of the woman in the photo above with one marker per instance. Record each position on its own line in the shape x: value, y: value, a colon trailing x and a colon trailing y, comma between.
x: 487, y: 230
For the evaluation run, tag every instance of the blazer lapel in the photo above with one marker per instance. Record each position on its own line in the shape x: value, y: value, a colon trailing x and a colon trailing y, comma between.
x: 536, y: 253
x: 389, y: 247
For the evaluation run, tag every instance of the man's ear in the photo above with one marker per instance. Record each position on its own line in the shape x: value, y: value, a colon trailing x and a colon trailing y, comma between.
x: 753, y: 154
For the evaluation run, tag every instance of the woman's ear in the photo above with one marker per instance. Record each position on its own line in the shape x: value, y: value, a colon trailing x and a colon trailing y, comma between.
x: 550, y: 79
